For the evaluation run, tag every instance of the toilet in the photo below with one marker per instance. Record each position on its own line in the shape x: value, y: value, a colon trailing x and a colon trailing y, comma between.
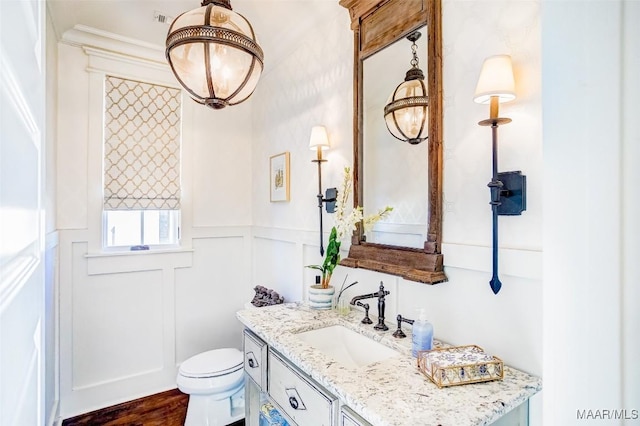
x: 214, y: 381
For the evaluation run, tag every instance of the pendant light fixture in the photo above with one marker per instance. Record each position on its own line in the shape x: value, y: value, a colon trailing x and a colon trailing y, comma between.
x: 214, y: 54
x: 407, y: 109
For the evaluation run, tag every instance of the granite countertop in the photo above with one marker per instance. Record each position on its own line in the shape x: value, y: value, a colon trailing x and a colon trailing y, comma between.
x: 391, y: 392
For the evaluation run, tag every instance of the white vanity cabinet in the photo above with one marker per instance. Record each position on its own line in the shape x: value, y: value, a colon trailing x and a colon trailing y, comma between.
x: 298, y: 396
x: 349, y: 418
x: 255, y: 359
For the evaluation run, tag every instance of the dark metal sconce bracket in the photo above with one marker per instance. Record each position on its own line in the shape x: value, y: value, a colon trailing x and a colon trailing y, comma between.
x: 508, y: 194
x: 513, y: 194
x: 330, y: 197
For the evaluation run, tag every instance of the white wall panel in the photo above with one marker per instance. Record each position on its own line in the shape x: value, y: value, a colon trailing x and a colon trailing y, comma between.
x: 118, y: 327
x: 631, y: 204
x: 23, y: 316
x: 117, y: 324
x: 73, y: 134
x: 208, y: 295
x: 51, y: 331
x: 591, y: 249
x: 222, y: 166
x: 276, y: 265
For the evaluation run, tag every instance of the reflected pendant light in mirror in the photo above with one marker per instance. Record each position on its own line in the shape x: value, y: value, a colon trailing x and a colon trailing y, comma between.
x: 406, y: 112
x: 214, y: 54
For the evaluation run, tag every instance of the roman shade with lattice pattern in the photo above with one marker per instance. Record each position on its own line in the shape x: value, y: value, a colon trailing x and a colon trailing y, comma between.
x: 142, y: 133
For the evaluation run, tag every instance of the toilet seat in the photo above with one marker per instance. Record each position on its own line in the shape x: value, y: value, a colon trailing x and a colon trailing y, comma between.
x: 214, y: 363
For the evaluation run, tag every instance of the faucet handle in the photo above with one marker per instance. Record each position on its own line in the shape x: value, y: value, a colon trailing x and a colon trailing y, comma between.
x: 382, y: 292
x: 399, y: 334
x: 366, y: 319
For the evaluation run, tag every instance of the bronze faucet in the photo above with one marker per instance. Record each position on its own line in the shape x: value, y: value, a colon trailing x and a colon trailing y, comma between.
x: 380, y: 294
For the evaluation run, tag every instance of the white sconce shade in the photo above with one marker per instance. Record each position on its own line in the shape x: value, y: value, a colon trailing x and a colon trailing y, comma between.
x: 319, y: 139
x: 214, y: 54
x: 496, y: 79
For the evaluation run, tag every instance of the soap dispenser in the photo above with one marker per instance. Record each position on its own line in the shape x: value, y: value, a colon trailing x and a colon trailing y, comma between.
x: 422, y: 334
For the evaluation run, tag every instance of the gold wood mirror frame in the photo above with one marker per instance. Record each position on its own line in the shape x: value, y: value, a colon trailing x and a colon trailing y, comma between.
x: 377, y: 24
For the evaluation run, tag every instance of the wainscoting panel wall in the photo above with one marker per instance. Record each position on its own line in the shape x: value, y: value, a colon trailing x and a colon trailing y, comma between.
x: 124, y: 333
x: 208, y: 295
x: 131, y: 345
x: 277, y: 264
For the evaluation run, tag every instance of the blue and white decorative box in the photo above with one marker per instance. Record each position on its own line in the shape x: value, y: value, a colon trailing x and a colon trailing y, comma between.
x: 270, y: 416
x: 459, y: 365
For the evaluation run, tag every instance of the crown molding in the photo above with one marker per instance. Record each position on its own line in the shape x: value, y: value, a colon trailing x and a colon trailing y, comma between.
x: 85, y: 36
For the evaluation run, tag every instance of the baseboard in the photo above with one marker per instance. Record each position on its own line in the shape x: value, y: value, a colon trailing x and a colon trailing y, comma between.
x: 54, y: 417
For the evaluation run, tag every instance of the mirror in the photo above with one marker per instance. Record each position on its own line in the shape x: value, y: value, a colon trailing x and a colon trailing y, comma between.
x: 395, y: 172
x: 408, y: 244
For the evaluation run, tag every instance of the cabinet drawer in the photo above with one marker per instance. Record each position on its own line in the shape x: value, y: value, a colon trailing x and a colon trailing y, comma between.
x: 298, y: 396
x: 349, y: 418
x: 255, y: 359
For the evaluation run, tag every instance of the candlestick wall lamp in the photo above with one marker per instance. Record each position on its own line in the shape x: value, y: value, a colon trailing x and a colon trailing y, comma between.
x: 319, y: 142
x: 508, y: 189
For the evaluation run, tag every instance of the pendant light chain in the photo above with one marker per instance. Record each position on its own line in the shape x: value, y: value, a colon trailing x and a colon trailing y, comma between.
x: 415, y: 61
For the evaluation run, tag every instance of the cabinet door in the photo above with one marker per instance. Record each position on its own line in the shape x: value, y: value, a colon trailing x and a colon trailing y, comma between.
x: 349, y: 418
x: 303, y: 400
x: 255, y: 359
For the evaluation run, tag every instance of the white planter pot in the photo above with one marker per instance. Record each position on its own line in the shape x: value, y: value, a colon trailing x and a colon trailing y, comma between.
x: 321, y: 298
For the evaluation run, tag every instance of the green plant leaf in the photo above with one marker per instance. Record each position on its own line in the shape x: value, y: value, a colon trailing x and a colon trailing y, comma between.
x: 318, y: 267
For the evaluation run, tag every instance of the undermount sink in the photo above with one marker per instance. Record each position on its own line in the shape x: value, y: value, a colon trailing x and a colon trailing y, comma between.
x: 346, y: 346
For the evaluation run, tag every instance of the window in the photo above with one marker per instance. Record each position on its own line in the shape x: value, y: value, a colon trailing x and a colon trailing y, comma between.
x: 141, y: 163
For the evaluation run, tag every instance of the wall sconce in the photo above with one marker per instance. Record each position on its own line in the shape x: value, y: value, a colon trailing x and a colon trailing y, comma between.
x: 407, y: 109
x: 214, y: 54
x: 320, y: 142
x: 508, y: 189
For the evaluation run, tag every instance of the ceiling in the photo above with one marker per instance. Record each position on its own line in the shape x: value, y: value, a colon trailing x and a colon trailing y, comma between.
x: 278, y: 24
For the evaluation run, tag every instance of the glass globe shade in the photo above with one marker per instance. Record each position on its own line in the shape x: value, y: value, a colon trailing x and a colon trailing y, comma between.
x: 214, y: 54
x: 407, y: 112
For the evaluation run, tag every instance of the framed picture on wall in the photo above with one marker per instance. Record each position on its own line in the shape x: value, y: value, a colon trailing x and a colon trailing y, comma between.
x: 279, y: 177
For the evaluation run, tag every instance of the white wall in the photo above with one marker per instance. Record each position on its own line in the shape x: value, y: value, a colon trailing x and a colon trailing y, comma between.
x: 630, y: 204
x: 128, y: 320
x: 592, y: 242
x: 313, y: 86
x: 25, y: 318
x: 310, y: 86
x: 51, y: 283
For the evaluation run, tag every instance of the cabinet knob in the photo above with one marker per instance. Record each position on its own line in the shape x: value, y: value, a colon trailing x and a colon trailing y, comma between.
x: 294, y: 402
x: 251, y: 361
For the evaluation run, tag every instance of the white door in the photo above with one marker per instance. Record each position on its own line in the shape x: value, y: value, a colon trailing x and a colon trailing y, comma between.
x: 22, y: 100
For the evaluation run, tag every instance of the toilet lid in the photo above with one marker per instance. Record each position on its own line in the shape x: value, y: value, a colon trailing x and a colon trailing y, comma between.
x: 217, y: 362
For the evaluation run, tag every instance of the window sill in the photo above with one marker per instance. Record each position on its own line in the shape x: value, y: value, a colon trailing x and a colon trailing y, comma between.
x: 136, y: 261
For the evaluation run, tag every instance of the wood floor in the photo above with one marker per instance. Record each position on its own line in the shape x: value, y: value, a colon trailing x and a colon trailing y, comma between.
x: 163, y: 409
